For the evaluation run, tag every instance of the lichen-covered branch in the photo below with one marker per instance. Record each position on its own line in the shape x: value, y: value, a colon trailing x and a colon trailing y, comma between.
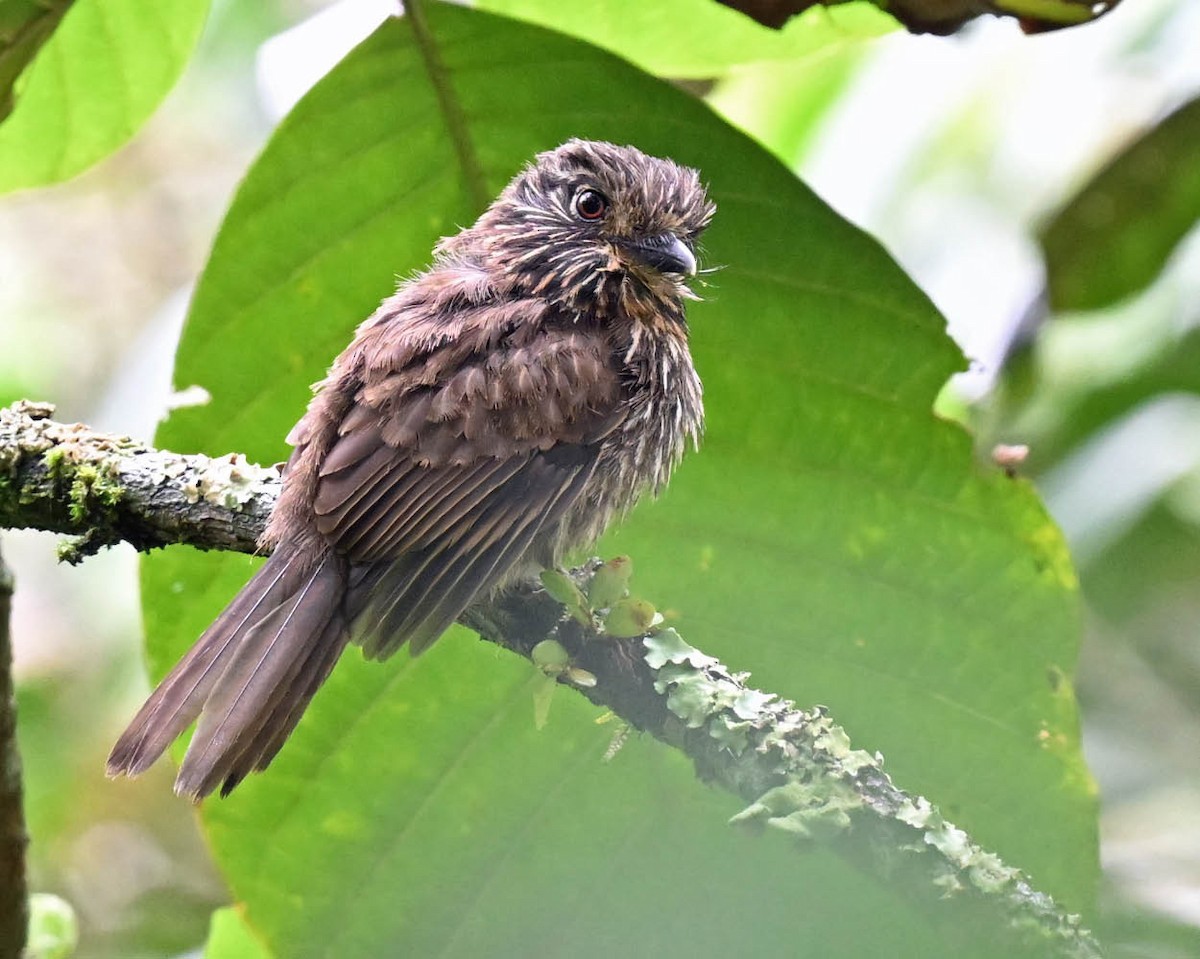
x: 107, y: 489
x: 795, y: 768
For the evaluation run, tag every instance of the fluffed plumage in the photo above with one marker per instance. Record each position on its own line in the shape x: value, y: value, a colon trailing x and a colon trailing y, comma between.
x: 496, y: 412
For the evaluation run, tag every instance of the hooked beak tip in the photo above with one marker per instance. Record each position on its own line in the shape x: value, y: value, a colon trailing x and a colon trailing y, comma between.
x: 667, y: 254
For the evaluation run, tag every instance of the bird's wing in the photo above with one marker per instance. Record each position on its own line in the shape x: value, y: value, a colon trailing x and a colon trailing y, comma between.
x: 434, y: 490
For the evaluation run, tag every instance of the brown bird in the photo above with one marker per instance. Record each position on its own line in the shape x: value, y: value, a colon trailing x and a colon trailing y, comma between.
x: 494, y: 414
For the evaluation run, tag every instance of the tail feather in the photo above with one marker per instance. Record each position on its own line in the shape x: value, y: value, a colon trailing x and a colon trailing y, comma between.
x: 286, y: 711
x: 178, y: 699
x: 247, y: 678
x: 257, y: 681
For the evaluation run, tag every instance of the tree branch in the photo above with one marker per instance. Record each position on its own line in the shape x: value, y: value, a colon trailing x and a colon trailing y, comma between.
x: 944, y: 17
x: 108, y: 489
x: 14, y: 907
x: 795, y: 768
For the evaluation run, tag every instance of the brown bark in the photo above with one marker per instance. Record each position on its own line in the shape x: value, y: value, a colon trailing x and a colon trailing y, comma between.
x: 14, y: 898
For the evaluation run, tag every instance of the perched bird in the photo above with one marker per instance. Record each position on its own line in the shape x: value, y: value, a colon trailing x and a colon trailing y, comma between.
x: 495, y: 413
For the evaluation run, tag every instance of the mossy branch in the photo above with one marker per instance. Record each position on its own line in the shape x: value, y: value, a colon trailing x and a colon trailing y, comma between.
x: 795, y: 768
x: 106, y: 489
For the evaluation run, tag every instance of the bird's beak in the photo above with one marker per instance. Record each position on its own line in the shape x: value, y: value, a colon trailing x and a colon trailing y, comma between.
x: 666, y: 253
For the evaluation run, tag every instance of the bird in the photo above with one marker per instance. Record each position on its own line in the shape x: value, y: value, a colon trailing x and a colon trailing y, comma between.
x: 491, y: 417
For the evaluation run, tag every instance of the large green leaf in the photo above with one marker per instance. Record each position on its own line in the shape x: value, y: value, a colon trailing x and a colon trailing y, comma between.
x: 833, y: 536
x: 782, y: 103
x: 776, y: 84
x: 1112, y: 238
x: 94, y: 83
x: 229, y: 938
x: 697, y: 38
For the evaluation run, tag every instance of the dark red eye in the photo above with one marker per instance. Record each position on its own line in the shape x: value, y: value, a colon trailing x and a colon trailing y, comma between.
x: 590, y: 205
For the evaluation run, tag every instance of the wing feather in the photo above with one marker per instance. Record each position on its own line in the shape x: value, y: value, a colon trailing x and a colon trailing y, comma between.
x: 471, y: 567
x: 434, y: 492
x: 416, y: 521
x: 340, y: 494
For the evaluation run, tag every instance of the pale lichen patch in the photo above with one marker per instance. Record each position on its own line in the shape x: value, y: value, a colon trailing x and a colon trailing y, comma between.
x: 814, y: 810
x: 667, y: 646
x: 230, y: 482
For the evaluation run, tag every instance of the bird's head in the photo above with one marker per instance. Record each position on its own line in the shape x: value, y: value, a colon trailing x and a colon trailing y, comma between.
x: 595, y: 226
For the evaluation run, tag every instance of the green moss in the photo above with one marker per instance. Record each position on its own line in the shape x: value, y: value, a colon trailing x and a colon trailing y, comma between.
x: 93, y: 485
x: 75, y: 549
x: 55, y: 461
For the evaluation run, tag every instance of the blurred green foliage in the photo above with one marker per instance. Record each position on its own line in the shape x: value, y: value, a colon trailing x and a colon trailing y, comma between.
x: 1105, y: 389
x: 92, y: 84
x: 1112, y: 238
x: 53, y: 928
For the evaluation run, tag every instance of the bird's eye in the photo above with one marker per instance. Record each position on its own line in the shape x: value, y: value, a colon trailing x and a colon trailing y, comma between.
x: 590, y: 205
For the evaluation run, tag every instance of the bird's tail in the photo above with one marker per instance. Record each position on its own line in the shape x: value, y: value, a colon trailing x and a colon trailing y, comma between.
x: 248, y: 678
